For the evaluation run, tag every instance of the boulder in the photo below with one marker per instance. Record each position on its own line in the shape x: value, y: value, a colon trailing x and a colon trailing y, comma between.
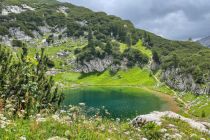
x: 157, y: 117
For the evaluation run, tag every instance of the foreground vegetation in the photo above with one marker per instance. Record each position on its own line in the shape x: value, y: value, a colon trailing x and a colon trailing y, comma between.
x: 74, y: 124
x: 24, y: 87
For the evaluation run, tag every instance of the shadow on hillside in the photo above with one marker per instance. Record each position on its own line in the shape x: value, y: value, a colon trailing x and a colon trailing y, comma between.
x: 84, y: 75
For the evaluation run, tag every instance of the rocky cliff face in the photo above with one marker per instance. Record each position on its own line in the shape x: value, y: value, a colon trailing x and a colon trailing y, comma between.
x: 15, y: 9
x: 21, y: 34
x: 18, y: 34
x: 205, y: 41
x: 94, y: 65
x: 99, y: 65
x: 183, y: 82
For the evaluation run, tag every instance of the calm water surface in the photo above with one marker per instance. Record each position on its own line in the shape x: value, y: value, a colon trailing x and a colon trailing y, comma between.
x: 120, y: 102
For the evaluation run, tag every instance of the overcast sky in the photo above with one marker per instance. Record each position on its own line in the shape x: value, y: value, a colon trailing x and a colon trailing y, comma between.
x: 172, y: 19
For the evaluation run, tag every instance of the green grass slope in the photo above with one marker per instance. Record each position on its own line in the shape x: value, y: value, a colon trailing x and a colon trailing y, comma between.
x: 131, y: 77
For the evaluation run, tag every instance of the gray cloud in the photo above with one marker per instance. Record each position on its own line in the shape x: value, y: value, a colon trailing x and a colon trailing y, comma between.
x: 173, y: 19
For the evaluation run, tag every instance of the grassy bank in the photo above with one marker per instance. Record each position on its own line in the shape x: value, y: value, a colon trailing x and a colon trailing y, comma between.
x: 73, y: 124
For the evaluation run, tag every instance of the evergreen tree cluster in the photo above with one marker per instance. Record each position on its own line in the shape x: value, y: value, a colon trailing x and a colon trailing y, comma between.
x: 147, y: 40
x: 108, y: 47
x: 24, y: 85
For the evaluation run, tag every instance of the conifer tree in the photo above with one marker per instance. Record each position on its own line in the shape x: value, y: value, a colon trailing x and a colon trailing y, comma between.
x: 25, y: 85
x: 129, y: 40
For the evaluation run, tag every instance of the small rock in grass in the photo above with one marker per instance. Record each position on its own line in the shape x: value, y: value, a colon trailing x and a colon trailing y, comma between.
x: 40, y: 120
x: 172, y: 126
x: 57, y: 138
x: 174, y: 130
x: 56, y: 117
x: 166, y: 136
x: 127, y: 133
x: 118, y: 120
x: 193, y: 135
x: 163, y: 130
x: 22, y: 138
x: 178, y: 136
x: 62, y: 111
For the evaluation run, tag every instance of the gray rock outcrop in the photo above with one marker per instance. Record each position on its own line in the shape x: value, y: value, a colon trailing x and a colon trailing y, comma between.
x: 63, y: 10
x: 158, y: 117
x: 183, y: 82
x: 99, y: 65
x: 94, y: 65
x: 15, y: 9
x: 18, y: 34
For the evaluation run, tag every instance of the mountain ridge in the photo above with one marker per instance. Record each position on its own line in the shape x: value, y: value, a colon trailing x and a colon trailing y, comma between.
x: 205, y: 41
x: 51, y: 24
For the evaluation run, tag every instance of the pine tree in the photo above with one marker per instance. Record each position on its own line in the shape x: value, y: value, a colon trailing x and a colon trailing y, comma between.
x: 129, y: 40
x: 90, y: 39
x: 155, y: 57
x: 90, y: 35
x: 175, y: 60
x: 25, y: 85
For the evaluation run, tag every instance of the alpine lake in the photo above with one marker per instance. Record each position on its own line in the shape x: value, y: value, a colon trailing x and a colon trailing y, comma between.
x: 119, y: 102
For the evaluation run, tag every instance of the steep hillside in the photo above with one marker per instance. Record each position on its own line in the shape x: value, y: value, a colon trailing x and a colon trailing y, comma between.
x: 184, y: 65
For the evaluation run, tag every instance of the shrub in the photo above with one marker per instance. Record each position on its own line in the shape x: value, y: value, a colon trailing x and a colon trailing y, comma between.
x: 203, y: 114
x: 24, y: 85
x: 18, y: 43
x: 134, y: 57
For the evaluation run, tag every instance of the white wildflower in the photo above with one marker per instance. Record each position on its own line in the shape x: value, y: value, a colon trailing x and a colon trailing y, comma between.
x: 67, y: 133
x: 40, y: 120
x: 22, y: 138
x: 56, y: 117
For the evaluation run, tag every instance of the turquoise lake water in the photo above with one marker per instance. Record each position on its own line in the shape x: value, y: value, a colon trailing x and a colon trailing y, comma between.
x: 120, y: 102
